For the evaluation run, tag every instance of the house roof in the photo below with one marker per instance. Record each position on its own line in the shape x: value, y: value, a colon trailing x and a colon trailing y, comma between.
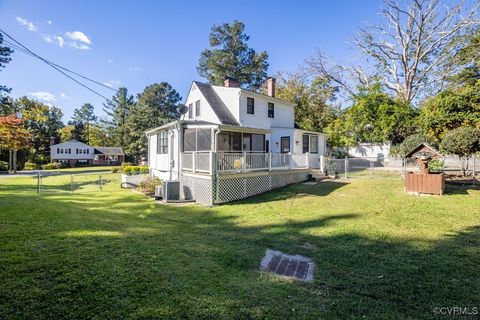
x: 113, y: 151
x: 216, y: 103
x: 423, y: 147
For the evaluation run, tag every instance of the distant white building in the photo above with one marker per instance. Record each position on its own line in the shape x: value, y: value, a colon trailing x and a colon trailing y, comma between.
x: 72, y: 152
x: 370, y: 150
x: 230, y: 133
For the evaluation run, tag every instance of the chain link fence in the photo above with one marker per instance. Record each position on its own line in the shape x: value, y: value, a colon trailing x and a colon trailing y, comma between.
x: 355, y: 167
x: 50, y: 183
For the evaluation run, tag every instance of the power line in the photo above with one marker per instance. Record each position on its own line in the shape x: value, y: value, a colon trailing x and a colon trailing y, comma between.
x: 25, y: 50
x: 16, y: 47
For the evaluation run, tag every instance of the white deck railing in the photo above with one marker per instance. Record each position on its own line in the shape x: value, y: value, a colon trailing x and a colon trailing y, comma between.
x: 209, y: 161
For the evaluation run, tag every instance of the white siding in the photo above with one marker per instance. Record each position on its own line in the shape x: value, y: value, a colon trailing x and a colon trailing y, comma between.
x: 284, y: 113
x: 160, y: 163
x: 206, y: 112
x: 370, y: 150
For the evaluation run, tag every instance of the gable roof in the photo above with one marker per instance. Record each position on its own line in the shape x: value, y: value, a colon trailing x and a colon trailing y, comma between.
x: 69, y: 142
x: 113, y: 151
x: 216, y: 103
x: 424, y: 147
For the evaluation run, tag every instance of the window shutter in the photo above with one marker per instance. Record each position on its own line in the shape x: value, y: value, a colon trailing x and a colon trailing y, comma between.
x: 69, y: 151
x: 58, y: 150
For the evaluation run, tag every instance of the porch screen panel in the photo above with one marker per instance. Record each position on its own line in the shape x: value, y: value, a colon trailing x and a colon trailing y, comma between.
x: 204, y: 139
x: 236, y: 141
x: 258, y: 142
x: 189, y: 137
x: 224, y: 141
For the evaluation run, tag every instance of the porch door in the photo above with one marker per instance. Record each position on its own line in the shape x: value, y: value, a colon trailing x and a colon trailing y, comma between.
x: 285, y: 144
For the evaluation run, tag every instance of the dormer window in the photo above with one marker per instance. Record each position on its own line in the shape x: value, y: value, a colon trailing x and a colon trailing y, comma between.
x: 250, y: 105
x: 190, y: 111
x: 271, y: 110
x: 197, y: 108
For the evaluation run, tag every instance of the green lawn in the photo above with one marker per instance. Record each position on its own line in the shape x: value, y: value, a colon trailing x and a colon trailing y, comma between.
x: 379, y: 253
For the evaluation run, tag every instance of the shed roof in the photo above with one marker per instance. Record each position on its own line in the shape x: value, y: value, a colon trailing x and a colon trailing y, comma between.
x: 425, y: 146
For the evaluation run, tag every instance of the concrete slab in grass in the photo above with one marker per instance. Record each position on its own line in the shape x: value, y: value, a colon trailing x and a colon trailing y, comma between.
x: 292, y: 266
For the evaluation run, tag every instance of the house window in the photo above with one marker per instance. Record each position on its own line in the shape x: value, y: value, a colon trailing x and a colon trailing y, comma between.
x: 313, y: 144
x: 162, y: 142
x: 271, y: 110
x: 309, y: 143
x: 190, y: 111
x: 285, y: 144
x: 305, y: 143
x: 197, y: 108
x: 250, y: 105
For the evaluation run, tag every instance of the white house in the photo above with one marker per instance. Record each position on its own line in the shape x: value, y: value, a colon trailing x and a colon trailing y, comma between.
x: 72, y: 152
x: 233, y: 143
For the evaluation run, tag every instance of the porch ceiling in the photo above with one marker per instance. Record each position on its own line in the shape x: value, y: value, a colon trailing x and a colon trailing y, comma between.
x: 243, y: 129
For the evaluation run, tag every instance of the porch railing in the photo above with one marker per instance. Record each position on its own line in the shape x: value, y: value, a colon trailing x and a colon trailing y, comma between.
x: 209, y: 161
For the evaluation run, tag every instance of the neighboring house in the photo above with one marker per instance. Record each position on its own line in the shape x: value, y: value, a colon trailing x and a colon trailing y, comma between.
x: 370, y: 150
x: 73, y: 152
x: 233, y: 143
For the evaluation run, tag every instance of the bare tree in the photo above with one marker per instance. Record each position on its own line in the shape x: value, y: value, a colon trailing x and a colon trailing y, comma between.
x: 346, y: 78
x: 409, y: 52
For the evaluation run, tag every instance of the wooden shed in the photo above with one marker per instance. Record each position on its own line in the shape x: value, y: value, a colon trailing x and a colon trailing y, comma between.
x: 425, y: 182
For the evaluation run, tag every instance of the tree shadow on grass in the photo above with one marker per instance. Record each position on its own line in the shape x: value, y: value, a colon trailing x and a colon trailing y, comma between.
x: 135, y: 259
x: 457, y: 188
x: 297, y: 190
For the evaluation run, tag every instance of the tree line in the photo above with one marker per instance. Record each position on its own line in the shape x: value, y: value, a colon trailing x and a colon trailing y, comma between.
x: 417, y: 79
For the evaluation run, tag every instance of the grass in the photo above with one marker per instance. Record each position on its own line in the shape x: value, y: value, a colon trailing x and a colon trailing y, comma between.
x: 379, y: 253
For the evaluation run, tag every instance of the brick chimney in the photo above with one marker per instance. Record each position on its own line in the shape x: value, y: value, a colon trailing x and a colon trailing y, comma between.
x: 271, y: 86
x: 52, y: 141
x: 231, y: 82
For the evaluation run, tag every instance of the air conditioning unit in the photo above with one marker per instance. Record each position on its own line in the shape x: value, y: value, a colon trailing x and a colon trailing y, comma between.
x: 169, y: 191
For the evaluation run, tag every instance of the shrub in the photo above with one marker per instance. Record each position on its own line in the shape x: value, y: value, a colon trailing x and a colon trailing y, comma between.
x: 436, y: 165
x: 463, y: 142
x: 3, y: 166
x: 410, y: 142
x: 30, y: 166
x: 125, y: 164
x: 115, y: 169
x: 52, y: 166
x: 131, y: 170
x: 148, y: 185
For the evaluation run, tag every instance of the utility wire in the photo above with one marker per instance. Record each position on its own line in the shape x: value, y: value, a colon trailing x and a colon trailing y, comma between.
x: 18, y: 48
x: 25, y: 50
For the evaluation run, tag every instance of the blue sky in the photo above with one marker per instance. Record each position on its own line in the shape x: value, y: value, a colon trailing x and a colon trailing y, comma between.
x: 137, y: 43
